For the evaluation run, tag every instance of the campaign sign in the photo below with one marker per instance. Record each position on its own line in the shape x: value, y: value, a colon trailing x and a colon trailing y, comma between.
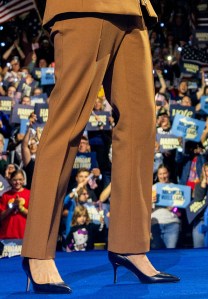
x: 40, y: 99
x: 36, y: 73
x: 99, y: 121
x: 190, y: 67
x: 20, y: 112
x: 5, y: 104
x: 204, y: 104
x: 24, y: 123
x: 41, y: 110
x: 183, y: 110
x: 47, y: 76
x: 202, y: 36
x: 188, y: 128
x: 4, y: 185
x: 167, y: 142
x: 6, y: 141
x: 173, y: 195
x: 195, y: 208
x: 85, y: 160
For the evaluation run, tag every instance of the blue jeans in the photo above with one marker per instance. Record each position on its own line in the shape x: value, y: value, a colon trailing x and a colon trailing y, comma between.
x: 198, y: 237
x: 165, y: 235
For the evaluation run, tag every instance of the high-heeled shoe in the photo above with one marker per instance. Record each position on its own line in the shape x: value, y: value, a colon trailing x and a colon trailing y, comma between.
x: 47, y: 288
x: 117, y: 260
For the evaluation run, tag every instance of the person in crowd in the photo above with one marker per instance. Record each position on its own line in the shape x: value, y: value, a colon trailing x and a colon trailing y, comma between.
x: 12, y: 73
x: 165, y: 226
x: 189, y: 163
x: 14, y: 208
x: 181, y: 91
x: 83, y: 160
x: 29, y: 149
x: 81, y: 236
x: 158, y: 159
x: 4, y: 159
x: 165, y: 125
x: 9, y: 170
x: 27, y: 83
x: 186, y: 101
x: 13, y: 51
x: 2, y: 89
x: 5, y: 127
x: 94, y: 209
x: 37, y: 91
x: 25, y: 100
x: 100, y: 141
x: 199, y: 194
x: 11, y: 91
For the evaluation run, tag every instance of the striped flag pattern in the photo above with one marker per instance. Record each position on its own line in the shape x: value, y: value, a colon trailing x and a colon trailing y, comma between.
x: 11, y: 8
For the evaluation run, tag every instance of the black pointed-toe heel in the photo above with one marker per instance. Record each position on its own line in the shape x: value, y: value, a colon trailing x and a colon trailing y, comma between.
x: 47, y: 288
x: 117, y: 260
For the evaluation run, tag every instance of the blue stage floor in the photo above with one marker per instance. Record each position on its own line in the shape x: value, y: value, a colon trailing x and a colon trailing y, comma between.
x: 90, y: 275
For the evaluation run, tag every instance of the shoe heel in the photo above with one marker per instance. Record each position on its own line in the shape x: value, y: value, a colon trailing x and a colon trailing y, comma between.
x: 28, y: 285
x: 115, y: 273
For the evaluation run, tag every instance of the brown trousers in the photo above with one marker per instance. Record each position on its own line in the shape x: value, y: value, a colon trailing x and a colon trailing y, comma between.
x: 88, y: 51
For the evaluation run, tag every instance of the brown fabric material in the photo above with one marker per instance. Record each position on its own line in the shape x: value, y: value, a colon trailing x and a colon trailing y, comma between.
x: 122, y: 7
x: 87, y: 50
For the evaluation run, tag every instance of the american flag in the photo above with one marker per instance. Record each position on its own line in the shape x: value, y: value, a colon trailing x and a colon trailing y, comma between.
x: 194, y: 54
x: 11, y: 8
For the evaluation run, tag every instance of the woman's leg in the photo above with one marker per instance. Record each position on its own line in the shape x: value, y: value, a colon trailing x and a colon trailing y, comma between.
x: 83, y: 48
x: 132, y: 96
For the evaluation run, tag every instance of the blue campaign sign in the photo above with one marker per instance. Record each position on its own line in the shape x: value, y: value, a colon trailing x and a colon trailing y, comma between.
x: 195, y: 208
x: 188, y: 128
x: 204, y: 104
x: 40, y: 99
x: 41, y: 111
x: 47, y: 76
x: 183, y: 110
x: 4, y: 185
x: 24, y: 123
x: 19, y: 112
x: 85, y: 160
x: 173, y: 195
x: 167, y: 142
x: 99, y: 121
x: 5, y: 104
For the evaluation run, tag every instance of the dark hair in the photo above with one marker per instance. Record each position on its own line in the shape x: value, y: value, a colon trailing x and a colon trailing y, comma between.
x: 18, y: 171
x: 83, y: 169
x: 163, y: 166
x: 84, y: 138
x: 79, y: 211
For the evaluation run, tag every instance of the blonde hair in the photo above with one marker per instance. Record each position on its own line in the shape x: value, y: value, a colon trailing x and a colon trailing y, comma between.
x: 80, y: 211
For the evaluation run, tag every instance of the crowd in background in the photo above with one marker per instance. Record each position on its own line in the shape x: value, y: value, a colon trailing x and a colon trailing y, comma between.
x: 180, y: 69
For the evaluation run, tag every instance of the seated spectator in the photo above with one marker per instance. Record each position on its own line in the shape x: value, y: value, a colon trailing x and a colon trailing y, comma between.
x: 165, y: 222
x: 14, y: 208
x: 81, y: 236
